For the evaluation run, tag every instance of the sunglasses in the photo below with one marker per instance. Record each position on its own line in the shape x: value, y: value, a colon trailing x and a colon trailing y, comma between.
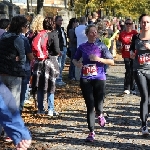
x: 128, y: 23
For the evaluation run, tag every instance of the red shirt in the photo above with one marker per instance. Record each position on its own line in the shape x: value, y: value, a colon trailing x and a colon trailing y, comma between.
x: 125, y: 38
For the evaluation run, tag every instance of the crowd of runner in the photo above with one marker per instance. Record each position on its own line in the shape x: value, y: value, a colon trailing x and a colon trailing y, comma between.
x: 33, y: 52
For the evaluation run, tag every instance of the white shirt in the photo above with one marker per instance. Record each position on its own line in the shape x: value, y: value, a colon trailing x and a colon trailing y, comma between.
x: 63, y: 35
x: 80, y: 34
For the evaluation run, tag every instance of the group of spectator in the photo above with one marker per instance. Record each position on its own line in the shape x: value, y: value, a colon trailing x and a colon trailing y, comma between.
x: 21, y: 61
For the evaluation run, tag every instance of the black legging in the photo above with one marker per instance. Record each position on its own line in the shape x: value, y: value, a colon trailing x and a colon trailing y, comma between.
x: 93, y: 93
x: 143, y: 83
x: 129, y: 82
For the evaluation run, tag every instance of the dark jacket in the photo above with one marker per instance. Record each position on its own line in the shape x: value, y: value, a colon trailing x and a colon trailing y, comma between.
x: 53, y: 43
x: 72, y: 39
x: 61, y: 40
x: 11, y: 46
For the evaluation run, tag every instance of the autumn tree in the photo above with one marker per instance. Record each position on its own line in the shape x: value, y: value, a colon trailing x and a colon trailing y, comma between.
x: 124, y: 8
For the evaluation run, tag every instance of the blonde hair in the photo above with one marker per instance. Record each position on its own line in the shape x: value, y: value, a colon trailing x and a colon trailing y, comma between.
x: 37, y: 23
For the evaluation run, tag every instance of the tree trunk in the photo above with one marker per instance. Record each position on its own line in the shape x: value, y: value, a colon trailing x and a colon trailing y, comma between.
x: 40, y: 6
x: 31, y: 6
x: 28, y: 6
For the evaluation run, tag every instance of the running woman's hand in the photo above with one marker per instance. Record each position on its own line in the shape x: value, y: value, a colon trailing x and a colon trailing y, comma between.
x: 23, y: 145
x: 93, y: 58
x: 147, y: 46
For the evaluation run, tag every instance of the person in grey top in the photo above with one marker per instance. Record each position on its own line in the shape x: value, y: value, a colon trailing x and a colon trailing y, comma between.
x: 140, y: 53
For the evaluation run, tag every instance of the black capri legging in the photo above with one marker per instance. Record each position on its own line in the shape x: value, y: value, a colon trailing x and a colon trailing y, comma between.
x: 93, y: 93
x: 143, y: 83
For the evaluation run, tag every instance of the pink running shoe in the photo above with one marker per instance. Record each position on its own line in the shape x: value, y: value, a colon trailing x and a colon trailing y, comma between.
x: 90, y: 137
x: 101, y: 120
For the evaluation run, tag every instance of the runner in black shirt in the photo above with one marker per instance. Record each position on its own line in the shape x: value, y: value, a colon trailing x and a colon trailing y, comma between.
x: 140, y: 53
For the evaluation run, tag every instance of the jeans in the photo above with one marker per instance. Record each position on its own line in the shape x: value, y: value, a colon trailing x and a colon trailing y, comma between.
x: 93, y: 92
x: 61, y: 62
x: 10, y: 117
x: 72, y: 67
x: 23, y: 94
x: 40, y: 99
x: 129, y: 82
x: 50, y: 99
x: 143, y: 84
x: 14, y: 85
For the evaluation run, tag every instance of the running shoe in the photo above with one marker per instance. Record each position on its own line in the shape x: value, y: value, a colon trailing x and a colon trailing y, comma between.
x: 145, y: 131
x: 52, y: 113
x: 90, y: 137
x: 101, y: 120
x: 126, y: 92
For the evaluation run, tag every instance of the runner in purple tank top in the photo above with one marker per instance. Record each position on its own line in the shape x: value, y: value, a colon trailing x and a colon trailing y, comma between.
x: 93, y: 79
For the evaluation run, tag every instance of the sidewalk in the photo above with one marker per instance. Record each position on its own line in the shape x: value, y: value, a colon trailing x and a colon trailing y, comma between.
x: 68, y: 131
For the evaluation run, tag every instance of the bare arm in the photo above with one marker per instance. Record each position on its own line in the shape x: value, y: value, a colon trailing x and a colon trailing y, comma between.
x: 102, y: 60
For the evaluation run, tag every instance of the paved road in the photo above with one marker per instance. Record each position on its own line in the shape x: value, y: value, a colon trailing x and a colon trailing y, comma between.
x: 68, y: 131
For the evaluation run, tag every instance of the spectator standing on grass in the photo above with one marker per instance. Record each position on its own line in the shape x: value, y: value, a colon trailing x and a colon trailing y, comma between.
x: 63, y: 48
x: 45, y: 70
x: 72, y: 45
x: 81, y: 38
x: 26, y: 78
x: 12, y: 54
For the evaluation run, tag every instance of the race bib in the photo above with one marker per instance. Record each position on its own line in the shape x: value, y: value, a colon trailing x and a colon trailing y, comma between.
x: 127, y: 47
x: 144, y: 59
x: 89, y: 70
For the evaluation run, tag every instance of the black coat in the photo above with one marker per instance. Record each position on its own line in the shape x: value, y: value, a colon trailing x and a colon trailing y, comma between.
x: 61, y: 40
x: 8, y: 53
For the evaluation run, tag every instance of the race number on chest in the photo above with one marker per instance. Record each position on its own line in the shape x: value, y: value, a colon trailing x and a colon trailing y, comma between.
x: 89, y: 70
x: 144, y: 58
